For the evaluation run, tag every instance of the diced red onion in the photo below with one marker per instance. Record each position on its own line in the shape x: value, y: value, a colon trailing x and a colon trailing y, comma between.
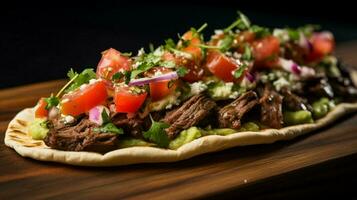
x: 95, y: 114
x: 296, y: 69
x: 250, y: 77
x: 289, y: 66
x: 292, y: 67
x: 144, y: 81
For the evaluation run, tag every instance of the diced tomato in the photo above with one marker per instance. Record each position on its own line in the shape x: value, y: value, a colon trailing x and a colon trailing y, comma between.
x: 322, y: 44
x: 193, y: 47
x: 127, y: 101
x: 111, y: 62
x: 245, y: 36
x: 221, y: 66
x: 195, y: 72
x: 266, y: 51
x: 161, y: 89
x: 83, y: 99
x: 41, y: 110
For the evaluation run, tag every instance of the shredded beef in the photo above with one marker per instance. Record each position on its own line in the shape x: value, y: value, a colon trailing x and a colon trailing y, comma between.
x: 81, y: 137
x: 189, y: 114
x: 271, y: 108
x: 230, y: 115
x: 293, y: 102
x: 133, y: 125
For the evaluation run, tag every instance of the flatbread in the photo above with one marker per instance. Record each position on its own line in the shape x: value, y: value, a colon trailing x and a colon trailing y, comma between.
x: 17, y: 138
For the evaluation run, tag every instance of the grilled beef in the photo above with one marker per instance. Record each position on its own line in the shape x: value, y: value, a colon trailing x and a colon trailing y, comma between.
x: 230, y: 115
x: 189, y: 114
x: 271, y: 108
x: 293, y: 102
x: 80, y: 137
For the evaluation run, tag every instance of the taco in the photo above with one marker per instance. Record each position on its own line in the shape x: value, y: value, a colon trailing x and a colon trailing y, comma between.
x: 246, y: 85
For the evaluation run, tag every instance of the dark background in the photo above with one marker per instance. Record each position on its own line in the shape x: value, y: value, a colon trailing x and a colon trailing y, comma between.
x: 41, y: 41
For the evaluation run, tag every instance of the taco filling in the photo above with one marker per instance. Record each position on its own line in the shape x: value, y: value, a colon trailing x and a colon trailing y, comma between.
x: 243, y: 78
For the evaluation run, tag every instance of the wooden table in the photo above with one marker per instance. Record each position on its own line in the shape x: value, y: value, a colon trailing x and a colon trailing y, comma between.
x: 310, y: 164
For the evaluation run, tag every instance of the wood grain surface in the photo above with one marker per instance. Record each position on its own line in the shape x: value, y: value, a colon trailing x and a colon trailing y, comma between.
x: 322, y: 162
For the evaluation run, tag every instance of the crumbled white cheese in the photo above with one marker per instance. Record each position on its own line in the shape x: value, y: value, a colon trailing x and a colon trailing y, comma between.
x: 141, y: 51
x: 234, y: 95
x: 82, y: 87
x: 158, y: 73
x: 222, y: 91
x: 218, y: 32
x: 282, y: 34
x: 165, y: 103
x: 197, y: 87
x: 93, y: 81
x: 67, y: 119
x: 280, y: 83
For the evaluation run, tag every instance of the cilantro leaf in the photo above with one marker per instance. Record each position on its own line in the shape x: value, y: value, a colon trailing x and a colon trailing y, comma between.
x: 247, y: 54
x: 109, y: 128
x: 239, y: 72
x: 71, y: 73
x: 260, y: 31
x: 105, y: 117
x: 226, y: 43
x: 244, y: 19
x: 169, y: 43
x: 148, y: 61
x: 157, y: 134
x: 81, y: 79
x: 51, y: 101
x: 117, y: 76
x: 182, y: 71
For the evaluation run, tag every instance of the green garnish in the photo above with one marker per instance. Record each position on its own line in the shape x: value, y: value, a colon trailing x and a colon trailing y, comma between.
x: 239, y: 72
x: 247, y: 54
x: 117, y: 76
x: 182, y: 71
x: 157, y: 133
x: 260, y: 31
x: 79, y: 79
x: 150, y: 60
x: 109, y: 128
x: 51, y: 101
x: 169, y: 43
x: 226, y: 43
x: 242, y: 23
x: 105, y: 117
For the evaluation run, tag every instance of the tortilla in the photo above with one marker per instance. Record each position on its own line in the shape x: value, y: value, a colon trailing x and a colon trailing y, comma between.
x: 17, y: 138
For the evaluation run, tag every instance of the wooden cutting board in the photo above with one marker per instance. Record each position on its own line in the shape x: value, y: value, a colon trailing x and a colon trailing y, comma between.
x: 244, y: 171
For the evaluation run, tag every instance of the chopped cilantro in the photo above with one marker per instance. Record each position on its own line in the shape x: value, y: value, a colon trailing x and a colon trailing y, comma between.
x: 260, y: 31
x: 51, y: 101
x: 105, y: 117
x: 182, y: 71
x: 109, y: 128
x: 244, y: 19
x: 169, y: 43
x: 242, y: 23
x: 81, y: 78
x: 157, y: 134
x: 247, y: 54
x: 117, y: 76
x: 239, y: 72
x: 226, y: 43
